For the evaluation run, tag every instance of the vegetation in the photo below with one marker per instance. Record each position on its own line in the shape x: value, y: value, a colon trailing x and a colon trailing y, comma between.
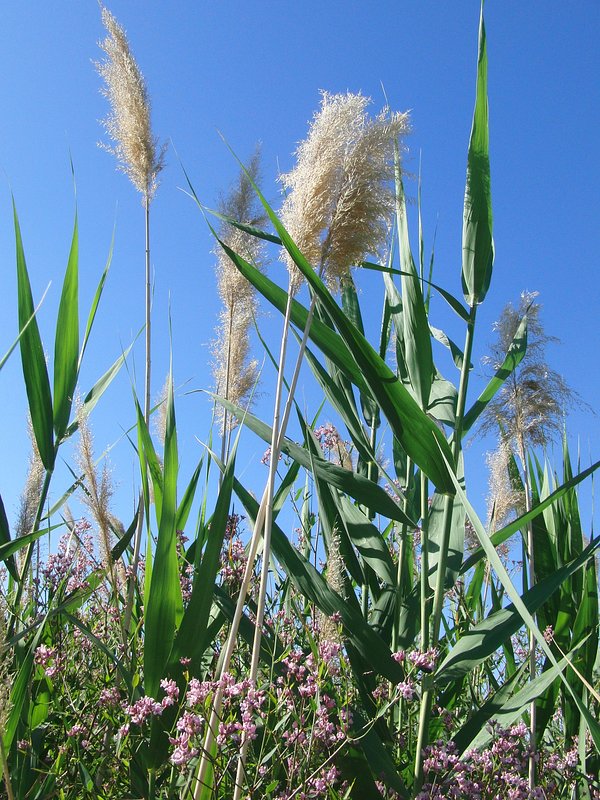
x: 344, y: 637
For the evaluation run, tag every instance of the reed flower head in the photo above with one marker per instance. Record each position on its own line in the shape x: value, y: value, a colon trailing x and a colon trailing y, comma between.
x: 530, y: 407
x: 339, y: 199
x: 97, y: 486
x: 235, y: 373
x: 32, y: 490
x: 138, y: 152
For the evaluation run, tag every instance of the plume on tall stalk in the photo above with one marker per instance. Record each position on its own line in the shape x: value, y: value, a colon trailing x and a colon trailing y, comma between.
x: 528, y: 412
x: 141, y: 157
x: 234, y: 371
x: 338, y: 209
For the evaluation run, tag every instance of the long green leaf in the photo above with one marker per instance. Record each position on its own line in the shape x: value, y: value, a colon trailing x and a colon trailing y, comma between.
x: 66, y: 342
x: 516, y: 352
x: 499, y: 568
x: 417, y: 338
x: 360, y: 488
x: 8, y: 353
x: 477, y: 242
x: 452, y: 301
x: 419, y: 436
x: 33, y: 360
x: 313, y: 586
x: 191, y: 640
x: 6, y: 540
x: 98, y: 389
x: 519, y: 524
x: 164, y: 601
x: 484, y: 638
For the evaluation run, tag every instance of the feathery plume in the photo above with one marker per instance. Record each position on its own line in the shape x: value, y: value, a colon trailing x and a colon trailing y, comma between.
x: 339, y: 199
x: 97, y: 487
x: 530, y: 406
x: 138, y: 152
x: 32, y: 490
x: 504, y: 502
x: 234, y: 372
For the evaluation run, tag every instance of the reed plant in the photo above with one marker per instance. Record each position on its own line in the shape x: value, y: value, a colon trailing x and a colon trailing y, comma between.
x: 342, y: 637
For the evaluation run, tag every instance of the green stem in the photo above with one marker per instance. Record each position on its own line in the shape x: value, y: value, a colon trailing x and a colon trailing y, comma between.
x: 438, y: 603
x: 148, y: 367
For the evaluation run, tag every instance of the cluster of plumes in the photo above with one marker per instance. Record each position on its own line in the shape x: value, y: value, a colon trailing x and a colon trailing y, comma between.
x: 339, y: 200
x: 234, y: 371
x: 128, y: 125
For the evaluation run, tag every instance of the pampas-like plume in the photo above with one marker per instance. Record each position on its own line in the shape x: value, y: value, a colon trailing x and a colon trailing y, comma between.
x: 97, y: 488
x: 32, y: 490
x: 235, y: 374
x: 138, y: 152
x: 339, y: 202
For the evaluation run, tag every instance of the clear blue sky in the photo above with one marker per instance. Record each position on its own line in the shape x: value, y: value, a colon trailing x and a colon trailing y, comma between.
x: 253, y: 70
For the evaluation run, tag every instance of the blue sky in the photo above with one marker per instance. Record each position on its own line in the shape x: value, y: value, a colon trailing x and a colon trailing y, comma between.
x: 253, y: 71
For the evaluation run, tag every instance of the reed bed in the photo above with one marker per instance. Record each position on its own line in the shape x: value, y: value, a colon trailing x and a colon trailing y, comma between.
x: 357, y: 631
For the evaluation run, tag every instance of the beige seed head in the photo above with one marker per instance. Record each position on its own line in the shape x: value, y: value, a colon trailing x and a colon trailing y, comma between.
x: 97, y: 488
x: 128, y: 125
x: 339, y: 202
x: 32, y: 490
x: 234, y: 372
x: 503, y: 501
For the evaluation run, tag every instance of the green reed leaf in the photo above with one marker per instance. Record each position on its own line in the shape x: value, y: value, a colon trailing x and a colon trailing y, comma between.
x: 515, y: 355
x: 6, y: 540
x: 364, y: 491
x: 313, y: 586
x: 484, y: 638
x: 192, y: 640
x: 417, y: 338
x: 164, y: 604
x: 477, y: 242
x: 33, y: 359
x: 66, y: 342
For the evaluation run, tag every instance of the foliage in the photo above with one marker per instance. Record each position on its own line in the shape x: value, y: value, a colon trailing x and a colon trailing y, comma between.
x: 338, y: 640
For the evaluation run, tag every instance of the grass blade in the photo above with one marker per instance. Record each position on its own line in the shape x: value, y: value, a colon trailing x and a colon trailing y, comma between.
x: 477, y: 242
x: 66, y: 342
x: 33, y: 360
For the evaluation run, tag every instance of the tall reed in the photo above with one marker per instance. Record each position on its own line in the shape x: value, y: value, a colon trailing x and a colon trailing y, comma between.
x: 141, y: 157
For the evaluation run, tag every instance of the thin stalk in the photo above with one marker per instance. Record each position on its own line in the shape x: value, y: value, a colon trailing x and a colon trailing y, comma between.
x: 260, y: 522
x: 277, y: 439
x: 147, y: 376
x: 425, y: 604
x: 438, y: 603
x: 531, y: 576
x: 6, y: 772
x: 372, y: 475
x: 401, y: 556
